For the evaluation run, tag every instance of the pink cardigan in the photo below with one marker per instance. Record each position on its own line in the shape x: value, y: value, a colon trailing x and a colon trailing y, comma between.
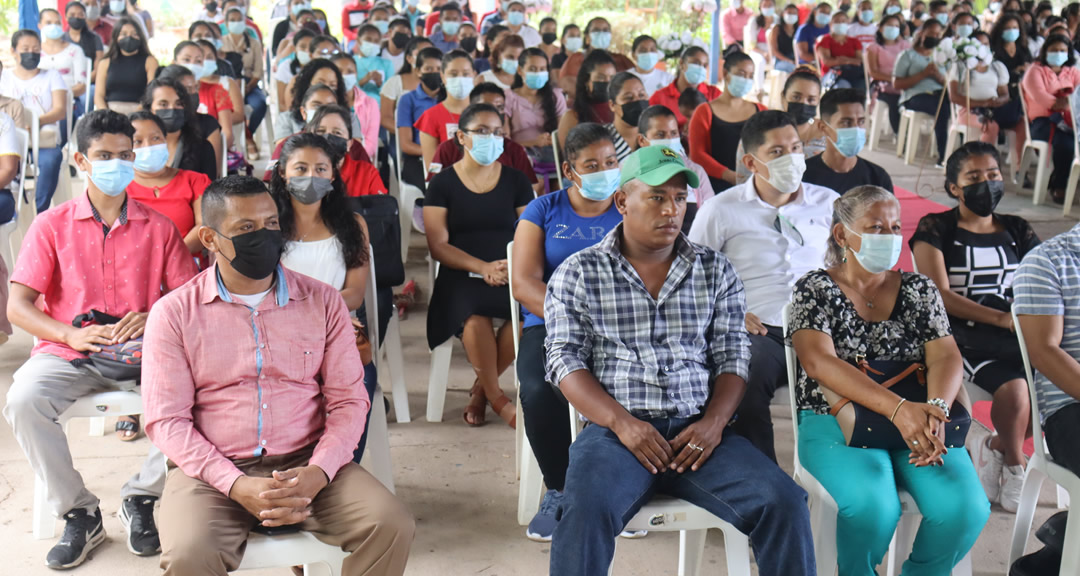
x: 1040, y: 85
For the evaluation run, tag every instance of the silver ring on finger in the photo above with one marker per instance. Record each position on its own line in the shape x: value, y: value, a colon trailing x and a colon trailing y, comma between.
x: 914, y: 442
x: 696, y: 447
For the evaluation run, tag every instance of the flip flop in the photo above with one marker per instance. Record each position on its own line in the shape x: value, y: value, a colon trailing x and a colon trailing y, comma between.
x: 127, y: 428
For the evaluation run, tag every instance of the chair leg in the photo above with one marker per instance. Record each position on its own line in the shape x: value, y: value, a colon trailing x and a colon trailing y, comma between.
x: 611, y: 568
x: 321, y: 569
x: 1029, y: 500
x: 905, y: 538
x: 1070, y: 559
x: 1070, y: 188
x: 440, y: 374
x: 97, y: 427
x: 823, y: 526
x: 901, y: 138
x: 892, y: 567
x: 691, y: 550
x: 964, y: 567
x: 405, y: 220
x: 737, y: 549
x: 1042, y: 177
x: 44, y: 523
x: 531, y: 489
x: 1062, y: 498
x: 378, y: 446
x: 394, y: 360
x: 912, y: 147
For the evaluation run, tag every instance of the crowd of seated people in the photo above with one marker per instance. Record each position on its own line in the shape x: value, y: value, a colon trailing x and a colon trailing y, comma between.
x: 668, y: 213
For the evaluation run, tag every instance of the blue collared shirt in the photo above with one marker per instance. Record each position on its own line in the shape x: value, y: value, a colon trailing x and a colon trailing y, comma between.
x: 411, y: 106
x: 439, y: 40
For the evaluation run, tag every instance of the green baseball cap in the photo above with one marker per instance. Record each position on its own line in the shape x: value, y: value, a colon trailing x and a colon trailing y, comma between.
x: 655, y: 165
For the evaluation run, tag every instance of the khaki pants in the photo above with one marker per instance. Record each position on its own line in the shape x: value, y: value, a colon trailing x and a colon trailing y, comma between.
x: 205, y: 532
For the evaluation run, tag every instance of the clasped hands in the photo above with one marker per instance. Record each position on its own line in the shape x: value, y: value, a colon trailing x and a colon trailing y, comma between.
x: 689, y: 450
x: 284, y: 498
x: 923, y: 428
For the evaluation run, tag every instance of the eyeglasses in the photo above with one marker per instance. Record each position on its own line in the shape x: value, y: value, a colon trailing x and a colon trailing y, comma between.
x: 787, y: 229
x: 485, y: 132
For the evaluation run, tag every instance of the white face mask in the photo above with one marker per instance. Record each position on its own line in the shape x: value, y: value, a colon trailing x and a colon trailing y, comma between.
x: 785, y: 172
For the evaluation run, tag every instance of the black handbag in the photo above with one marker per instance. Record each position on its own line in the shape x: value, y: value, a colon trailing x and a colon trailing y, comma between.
x: 384, y: 234
x: 984, y: 340
x: 907, y: 380
x: 120, y: 362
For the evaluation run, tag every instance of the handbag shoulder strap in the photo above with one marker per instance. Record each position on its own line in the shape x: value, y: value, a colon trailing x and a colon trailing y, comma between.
x: 862, y: 364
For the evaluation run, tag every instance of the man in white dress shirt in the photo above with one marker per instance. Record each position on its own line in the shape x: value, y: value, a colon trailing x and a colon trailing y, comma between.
x: 774, y: 230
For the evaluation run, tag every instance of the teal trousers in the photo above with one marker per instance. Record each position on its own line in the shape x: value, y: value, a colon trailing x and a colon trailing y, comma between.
x: 863, y: 482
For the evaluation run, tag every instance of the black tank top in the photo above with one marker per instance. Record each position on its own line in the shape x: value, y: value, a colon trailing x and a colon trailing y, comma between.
x: 725, y: 138
x: 126, y: 79
x: 785, y: 42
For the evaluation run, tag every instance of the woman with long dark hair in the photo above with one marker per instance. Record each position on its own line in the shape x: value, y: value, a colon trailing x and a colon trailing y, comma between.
x: 1047, y: 86
x: 458, y: 77
x: 318, y: 72
x: 591, y: 105
x: 168, y: 99
x: 126, y: 69
x: 534, y: 105
x: 78, y: 33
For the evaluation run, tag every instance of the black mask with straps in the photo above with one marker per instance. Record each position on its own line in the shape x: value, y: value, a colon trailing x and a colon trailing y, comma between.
x: 257, y: 253
x: 983, y: 197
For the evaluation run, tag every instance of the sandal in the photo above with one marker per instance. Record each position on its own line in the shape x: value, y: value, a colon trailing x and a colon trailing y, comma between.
x: 500, y: 406
x: 252, y: 150
x: 475, y: 414
x: 127, y: 428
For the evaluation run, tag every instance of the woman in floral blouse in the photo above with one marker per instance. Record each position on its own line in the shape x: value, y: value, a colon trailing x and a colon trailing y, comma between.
x: 859, y: 308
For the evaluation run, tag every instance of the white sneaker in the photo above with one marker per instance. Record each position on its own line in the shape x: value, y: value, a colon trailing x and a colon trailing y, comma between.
x: 634, y: 534
x: 1012, y: 484
x: 988, y: 463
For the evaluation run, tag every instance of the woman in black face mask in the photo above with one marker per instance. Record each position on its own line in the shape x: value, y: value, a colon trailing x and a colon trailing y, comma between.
x: 921, y: 82
x: 972, y: 253
x: 411, y: 106
x: 188, y: 150
x: 359, y: 175
x: 628, y: 100
x: 591, y: 105
x: 800, y: 96
x: 125, y: 70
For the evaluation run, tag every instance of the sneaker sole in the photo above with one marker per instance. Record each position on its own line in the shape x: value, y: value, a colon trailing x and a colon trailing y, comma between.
x: 634, y: 535
x: 537, y: 537
x: 94, y: 541
x: 125, y: 521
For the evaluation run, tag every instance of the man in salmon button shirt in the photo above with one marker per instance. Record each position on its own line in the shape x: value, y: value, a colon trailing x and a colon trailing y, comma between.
x: 100, y: 251
x: 254, y: 390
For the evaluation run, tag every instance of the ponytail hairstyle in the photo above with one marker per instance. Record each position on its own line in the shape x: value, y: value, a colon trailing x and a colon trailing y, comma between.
x: 849, y: 208
x: 547, y: 93
x: 955, y: 164
x: 582, y: 99
x: 412, y: 48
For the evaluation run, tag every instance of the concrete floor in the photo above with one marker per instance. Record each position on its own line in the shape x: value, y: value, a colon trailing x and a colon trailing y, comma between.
x: 460, y: 482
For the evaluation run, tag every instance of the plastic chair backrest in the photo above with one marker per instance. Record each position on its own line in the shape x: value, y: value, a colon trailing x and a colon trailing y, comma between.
x: 792, y: 374
x: 70, y: 103
x: 558, y: 163
x: 1036, y: 422
x: 371, y: 306
x: 515, y: 307
x: 1027, y: 119
x: 24, y: 161
x: 867, y: 80
x: 224, y: 155
x: 397, y: 137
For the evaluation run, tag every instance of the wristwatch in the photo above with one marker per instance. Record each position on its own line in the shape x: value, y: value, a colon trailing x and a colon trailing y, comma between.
x: 940, y: 403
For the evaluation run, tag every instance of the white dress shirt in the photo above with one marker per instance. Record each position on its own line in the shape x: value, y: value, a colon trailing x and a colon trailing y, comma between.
x: 738, y: 223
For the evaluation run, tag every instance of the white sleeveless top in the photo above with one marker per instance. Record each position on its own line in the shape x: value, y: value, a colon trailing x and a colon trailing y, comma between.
x: 323, y: 260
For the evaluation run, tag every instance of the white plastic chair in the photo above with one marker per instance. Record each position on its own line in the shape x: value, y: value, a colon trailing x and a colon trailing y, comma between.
x: 558, y: 163
x: 879, y: 116
x: 668, y: 514
x: 96, y: 407
x: 1039, y: 467
x: 958, y: 133
x: 911, y: 127
x: 1074, y: 174
x: 295, y: 549
x: 823, y: 509
x: 377, y: 452
x: 240, y: 128
x: 531, y: 482
x: 390, y: 349
x: 777, y: 79
x: 1040, y: 153
x: 10, y: 235
x: 407, y: 197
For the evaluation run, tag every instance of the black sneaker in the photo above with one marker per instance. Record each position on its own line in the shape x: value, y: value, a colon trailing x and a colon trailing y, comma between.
x: 82, y: 533
x: 137, y: 517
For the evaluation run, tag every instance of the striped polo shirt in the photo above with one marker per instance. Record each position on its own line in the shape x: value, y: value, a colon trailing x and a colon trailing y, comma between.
x: 1047, y: 283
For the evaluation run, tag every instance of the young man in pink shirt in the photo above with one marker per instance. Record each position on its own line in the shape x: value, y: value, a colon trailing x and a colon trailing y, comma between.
x: 732, y: 22
x: 101, y: 252
x: 254, y: 390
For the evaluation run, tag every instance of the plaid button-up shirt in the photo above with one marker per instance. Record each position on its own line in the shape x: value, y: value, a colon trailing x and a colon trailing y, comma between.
x: 657, y: 357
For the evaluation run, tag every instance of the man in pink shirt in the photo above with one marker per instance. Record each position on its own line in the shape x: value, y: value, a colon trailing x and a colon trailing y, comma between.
x: 253, y: 388
x: 732, y: 22
x: 102, y: 252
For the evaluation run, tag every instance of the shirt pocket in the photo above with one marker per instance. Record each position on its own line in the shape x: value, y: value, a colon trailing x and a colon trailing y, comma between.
x: 305, y: 361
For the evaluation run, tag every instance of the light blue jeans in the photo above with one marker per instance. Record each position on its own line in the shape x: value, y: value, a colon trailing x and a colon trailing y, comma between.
x: 863, y: 483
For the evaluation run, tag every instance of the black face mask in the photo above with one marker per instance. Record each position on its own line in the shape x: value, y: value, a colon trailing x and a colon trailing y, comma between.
x: 801, y: 113
x: 400, y: 40
x: 339, y: 145
x: 431, y: 80
x: 29, y: 60
x: 599, y: 92
x: 77, y: 23
x: 211, y: 6
x: 257, y: 253
x: 631, y: 111
x: 983, y: 197
x: 309, y: 189
x: 468, y: 44
x: 173, y: 118
x: 930, y: 42
x: 845, y: 8
x: 129, y: 44
x: 548, y: 37
x: 916, y: 16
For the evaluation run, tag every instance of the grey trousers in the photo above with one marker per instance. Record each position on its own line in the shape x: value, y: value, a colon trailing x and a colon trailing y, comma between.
x: 43, y: 388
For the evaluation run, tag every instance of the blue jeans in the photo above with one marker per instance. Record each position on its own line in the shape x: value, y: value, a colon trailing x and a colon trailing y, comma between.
x: 257, y: 100
x: 928, y: 104
x: 371, y: 380
x: 863, y: 483
x: 48, y: 175
x: 784, y: 66
x: 606, y: 486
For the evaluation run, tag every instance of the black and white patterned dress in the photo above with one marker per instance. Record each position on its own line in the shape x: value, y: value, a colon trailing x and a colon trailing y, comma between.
x: 818, y: 304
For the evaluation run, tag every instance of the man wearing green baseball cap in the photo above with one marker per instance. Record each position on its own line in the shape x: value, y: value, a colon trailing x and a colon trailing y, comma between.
x: 646, y: 338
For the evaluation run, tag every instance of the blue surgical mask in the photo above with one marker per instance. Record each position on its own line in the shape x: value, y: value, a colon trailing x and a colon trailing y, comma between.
x: 600, y: 40
x: 509, y: 66
x: 297, y: 9
x: 209, y: 68
x: 303, y: 57
x: 768, y: 12
x: 673, y: 143
x: 850, y: 141
x: 382, y: 25
x: 451, y: 28
x: 943, y: 18
x: 994, y: 7
x: 739, y: 87
x: 52, y: 31
x: 459, y: 87
x: 892, y: 10
x: 878, y: 252
x: 1010, y: 34
x: 890, y: 33
x: 839, y: 29
x: 196, y: 69
x: 369, y: 49
x: 964, y: 30
x: 151, y: 159
x: 321, y: 23
x: 599, y: 186
x: 573, y: 44
x: 112, y: 176
x: 515, y: 18
x: 867, y: 16
x: 791, y: 19
x: 695, y: 74
x: 117, y: 7
x: 237, y: 27
x: 536, y: 80
x: 486, y: 149
x: 648, y: 60
x: 822, y: 20
x: 1057, y: 58
x: 350, y: 81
